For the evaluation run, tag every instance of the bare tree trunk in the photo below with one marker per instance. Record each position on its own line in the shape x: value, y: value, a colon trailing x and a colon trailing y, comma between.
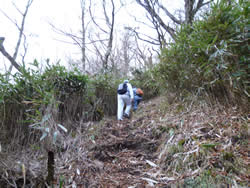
x: 128, y: 51
x: 9, y: 57
x: 191, y: 8
x: 78, y: 40
x: 83, y: 47
x: 51, y: 168
x: 141, y: 57
x: 110, y: 42
x: 12, y: 59
x: 103, y: 48
x: 189, y: 11
x: 125, y: 54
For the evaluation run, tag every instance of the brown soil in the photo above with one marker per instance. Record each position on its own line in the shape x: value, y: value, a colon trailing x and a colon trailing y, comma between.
x: 160, y: 146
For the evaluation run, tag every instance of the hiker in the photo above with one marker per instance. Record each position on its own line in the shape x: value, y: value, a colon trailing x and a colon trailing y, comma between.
x: 125, y: 96
x: 137, y: 97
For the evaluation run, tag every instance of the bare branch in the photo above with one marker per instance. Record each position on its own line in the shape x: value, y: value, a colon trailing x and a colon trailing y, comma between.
x: 11, y: 59
x: 13, y: 21
x: 153, y: 8
x: 201, y: 4
x: 83, y: 47
x: 191, y: 10
x: 22, y: 28
x: 25, y: 46
x: 109, y: 48
x: 150, y: 9
x: 160, y: 33
x: 93, y: 19
x: 105, y: 13
x: 172, y: 17
x: 76, y: 39
x: 152, y: 41
x: 18, y: 10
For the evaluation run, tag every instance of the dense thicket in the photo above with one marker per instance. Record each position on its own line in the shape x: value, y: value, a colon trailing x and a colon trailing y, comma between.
x: 65, y: 96
x: 211, y: 57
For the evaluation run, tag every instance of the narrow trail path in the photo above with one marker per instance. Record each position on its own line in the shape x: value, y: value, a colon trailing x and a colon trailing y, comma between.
x: 161, y: 146
x: 126, y: 153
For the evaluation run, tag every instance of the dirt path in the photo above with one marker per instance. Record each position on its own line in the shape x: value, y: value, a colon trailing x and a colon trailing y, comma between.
x: 108, y: 154
x: 161, y: 146
x: 126, y: 154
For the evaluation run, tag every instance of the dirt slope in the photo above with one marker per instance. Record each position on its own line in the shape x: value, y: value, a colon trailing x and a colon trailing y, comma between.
x: 121, y: 154
x: 162, y: 145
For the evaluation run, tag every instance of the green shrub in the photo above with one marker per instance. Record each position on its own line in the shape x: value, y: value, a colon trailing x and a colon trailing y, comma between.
x: 212, y: 54
x: 25, y: 98
x: 104, y: 93
x: 148, y: 81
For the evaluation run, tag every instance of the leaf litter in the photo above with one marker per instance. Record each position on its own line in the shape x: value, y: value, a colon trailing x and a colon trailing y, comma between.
x: 158, y: 147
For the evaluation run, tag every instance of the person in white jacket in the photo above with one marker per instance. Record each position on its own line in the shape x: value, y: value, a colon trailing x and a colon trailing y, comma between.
x: 124, y: 99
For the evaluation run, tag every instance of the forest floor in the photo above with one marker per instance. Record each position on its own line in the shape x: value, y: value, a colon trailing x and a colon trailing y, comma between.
x: 162, y: 145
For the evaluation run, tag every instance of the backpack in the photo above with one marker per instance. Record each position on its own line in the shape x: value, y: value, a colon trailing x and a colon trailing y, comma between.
x: 139, y: 92
x: 122, y: 89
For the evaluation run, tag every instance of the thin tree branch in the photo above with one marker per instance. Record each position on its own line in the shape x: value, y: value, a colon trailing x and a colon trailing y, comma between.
x: 18, y: 10
x: 83, y: 47
x: 146, y: 5
x: 201, y: 4
x: 22, y: 28
x: 25, y: 46
x: 107, y: 54
x: 171, y: 16
x: 105, y: 13
x: 13, y: 21
x: 11, y: 59
x: 142, y: 39
x: 93, y: 19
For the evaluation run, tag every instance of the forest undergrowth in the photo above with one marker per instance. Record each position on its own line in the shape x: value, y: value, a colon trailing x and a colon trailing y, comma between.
x: 194, y: 135
x: 164, y: 144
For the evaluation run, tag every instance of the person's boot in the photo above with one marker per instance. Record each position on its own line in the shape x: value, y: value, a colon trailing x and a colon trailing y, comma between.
x: 126, y: 115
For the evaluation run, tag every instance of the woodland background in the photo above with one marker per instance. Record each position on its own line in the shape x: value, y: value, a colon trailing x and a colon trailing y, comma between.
x: 197, y: 55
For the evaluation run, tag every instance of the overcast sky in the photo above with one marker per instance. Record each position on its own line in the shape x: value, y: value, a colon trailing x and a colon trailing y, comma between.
x: 42, y: 39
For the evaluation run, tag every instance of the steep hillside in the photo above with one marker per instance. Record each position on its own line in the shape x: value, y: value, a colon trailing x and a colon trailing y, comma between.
x: 164, y: 144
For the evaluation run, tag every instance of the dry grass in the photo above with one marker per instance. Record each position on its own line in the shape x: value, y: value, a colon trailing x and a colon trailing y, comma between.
x: 187, y: 144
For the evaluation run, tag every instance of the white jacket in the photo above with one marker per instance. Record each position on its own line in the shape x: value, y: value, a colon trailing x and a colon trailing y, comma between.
x: 130, y: 91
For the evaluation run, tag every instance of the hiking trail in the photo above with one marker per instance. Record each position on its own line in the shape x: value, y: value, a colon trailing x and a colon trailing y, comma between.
x: 163, y: 145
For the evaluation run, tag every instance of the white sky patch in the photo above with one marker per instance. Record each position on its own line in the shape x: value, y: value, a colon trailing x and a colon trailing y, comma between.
x: 64, y: 14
